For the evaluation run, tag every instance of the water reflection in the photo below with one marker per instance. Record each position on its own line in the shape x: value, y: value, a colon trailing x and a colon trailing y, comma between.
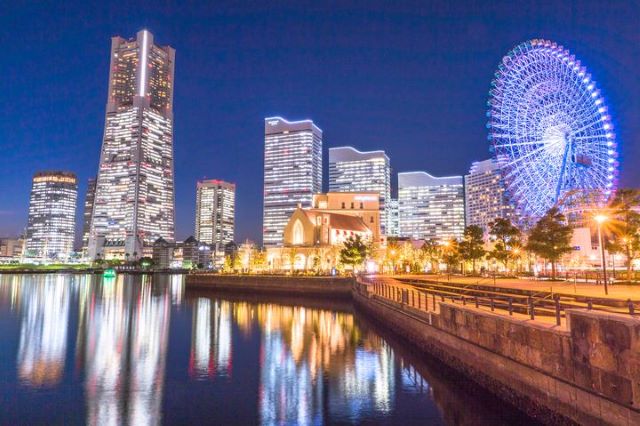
x: 291, y: 362
x: 124, y: 334
x: 43, y: 332
x: 211, y: 341
x: 315, y: 364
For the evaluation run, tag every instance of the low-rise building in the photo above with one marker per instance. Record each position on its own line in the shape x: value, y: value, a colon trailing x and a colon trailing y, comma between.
x: 11, y: 248
x: 365, y: 205
x: 313, y: 239
x: 186, y: 254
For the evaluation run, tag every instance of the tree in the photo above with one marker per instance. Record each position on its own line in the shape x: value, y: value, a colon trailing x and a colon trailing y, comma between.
x: 508, y: 240
x: 146, y: 262
x: 431, y: 251
x: 550, y: 238
x: 451, y: 253
x: 625, y: 226
x: 354, y: 252
x: 258, y: 260
x: 392, y: 253
x: 472, y: 245
x: 407, y: 257
x: 228, y: 264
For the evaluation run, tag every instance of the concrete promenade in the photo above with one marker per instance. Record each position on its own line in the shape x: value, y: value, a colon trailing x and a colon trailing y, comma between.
x: 616, y: 291
x: 585, y: 371
x: 326, y: 287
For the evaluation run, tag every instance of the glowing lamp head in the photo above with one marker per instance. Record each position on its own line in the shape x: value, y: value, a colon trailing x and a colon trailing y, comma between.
x: 600, y: 218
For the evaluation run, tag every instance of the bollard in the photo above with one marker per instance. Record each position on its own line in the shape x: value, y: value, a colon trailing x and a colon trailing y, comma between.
x: 464, y: 301
x: 557, y: 309
x: 477, y: 304
x: 493, y: 306
x: 510, y: 306
x: 589, y: 304
x: 531, y: 312
x: 632, y: 309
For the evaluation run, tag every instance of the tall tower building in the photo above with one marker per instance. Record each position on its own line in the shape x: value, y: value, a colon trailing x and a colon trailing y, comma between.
x: 292, y: 172
x: 89, y: 200
x: 134, y: 203
x: 485, y: 198
x: 215, y: 213
x: 52, y: 215
x: 351, y: 170
x: 430, y: 207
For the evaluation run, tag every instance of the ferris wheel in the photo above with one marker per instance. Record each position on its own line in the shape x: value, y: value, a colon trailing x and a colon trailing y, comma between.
x: 550, y: 129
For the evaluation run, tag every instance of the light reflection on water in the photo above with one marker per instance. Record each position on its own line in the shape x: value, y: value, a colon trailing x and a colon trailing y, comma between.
x: 137, y: 351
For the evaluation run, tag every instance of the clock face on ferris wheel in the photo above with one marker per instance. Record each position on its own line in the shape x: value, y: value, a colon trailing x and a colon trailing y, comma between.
x: 550, y: 129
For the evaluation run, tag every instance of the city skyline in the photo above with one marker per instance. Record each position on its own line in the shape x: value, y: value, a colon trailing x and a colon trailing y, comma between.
x: 419, y: 145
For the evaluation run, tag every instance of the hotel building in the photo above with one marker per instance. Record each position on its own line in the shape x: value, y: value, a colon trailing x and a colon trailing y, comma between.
x: 52, y: 215
x: 292, y: 172
x: 134, y: 201
x: 89, y: 200
x: 215, y: 213
x: 351, y: 170
x: 484, y: 192
x: 430, y: 207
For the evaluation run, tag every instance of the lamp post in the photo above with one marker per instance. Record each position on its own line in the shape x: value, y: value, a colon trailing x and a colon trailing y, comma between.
x: 600, y: 219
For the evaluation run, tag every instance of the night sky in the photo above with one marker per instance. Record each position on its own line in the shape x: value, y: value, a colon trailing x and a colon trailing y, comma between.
x: 410, y: 79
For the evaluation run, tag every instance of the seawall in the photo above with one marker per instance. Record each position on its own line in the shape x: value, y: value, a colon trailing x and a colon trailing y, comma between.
x: 321, y: 287
x: 586, y: 373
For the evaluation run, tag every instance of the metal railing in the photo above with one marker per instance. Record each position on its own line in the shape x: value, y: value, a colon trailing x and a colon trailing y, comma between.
x: 427, y: 300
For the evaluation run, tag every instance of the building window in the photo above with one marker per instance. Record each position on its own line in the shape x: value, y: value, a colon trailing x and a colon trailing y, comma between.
x: 298, y: 233
x: 351, y: 205
x: 361, y: 205
x: 343, y: 204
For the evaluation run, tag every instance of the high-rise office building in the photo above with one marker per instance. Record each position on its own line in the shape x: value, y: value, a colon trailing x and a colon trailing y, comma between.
x: 89, y: 199
x: 430, y: 207
x: 215, y: 213
x: 351, y: 170
x: 52, y: 215
x: 485, y: 198
x: 292, y: 172
x: 394, y: 218
x: 134, y: 202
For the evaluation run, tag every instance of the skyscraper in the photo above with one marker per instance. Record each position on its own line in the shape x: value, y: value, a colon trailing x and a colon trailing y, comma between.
x: 292, y: 172
x: 430, y: 207
x: 134, y: 204
x: 52, y: 215
x: 351, y: 170
x: 89, y: 200
x: 485, y: 198
x: 215, y: 213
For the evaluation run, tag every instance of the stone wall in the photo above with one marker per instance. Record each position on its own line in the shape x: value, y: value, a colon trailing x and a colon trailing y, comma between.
x: 325, y: 287
x: 588, y: 373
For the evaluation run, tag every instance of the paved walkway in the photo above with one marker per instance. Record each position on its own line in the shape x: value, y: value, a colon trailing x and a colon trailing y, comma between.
x: 549, y: 321
x: 616, y: 291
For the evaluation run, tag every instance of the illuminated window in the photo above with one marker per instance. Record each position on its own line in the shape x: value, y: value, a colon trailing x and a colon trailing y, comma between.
x: 298, y: 233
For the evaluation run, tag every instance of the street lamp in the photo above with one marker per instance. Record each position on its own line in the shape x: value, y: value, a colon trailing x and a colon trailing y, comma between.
x: 600, y: 219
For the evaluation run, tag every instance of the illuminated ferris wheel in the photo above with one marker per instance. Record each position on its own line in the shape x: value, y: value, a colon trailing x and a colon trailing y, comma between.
x: 549, y: 127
